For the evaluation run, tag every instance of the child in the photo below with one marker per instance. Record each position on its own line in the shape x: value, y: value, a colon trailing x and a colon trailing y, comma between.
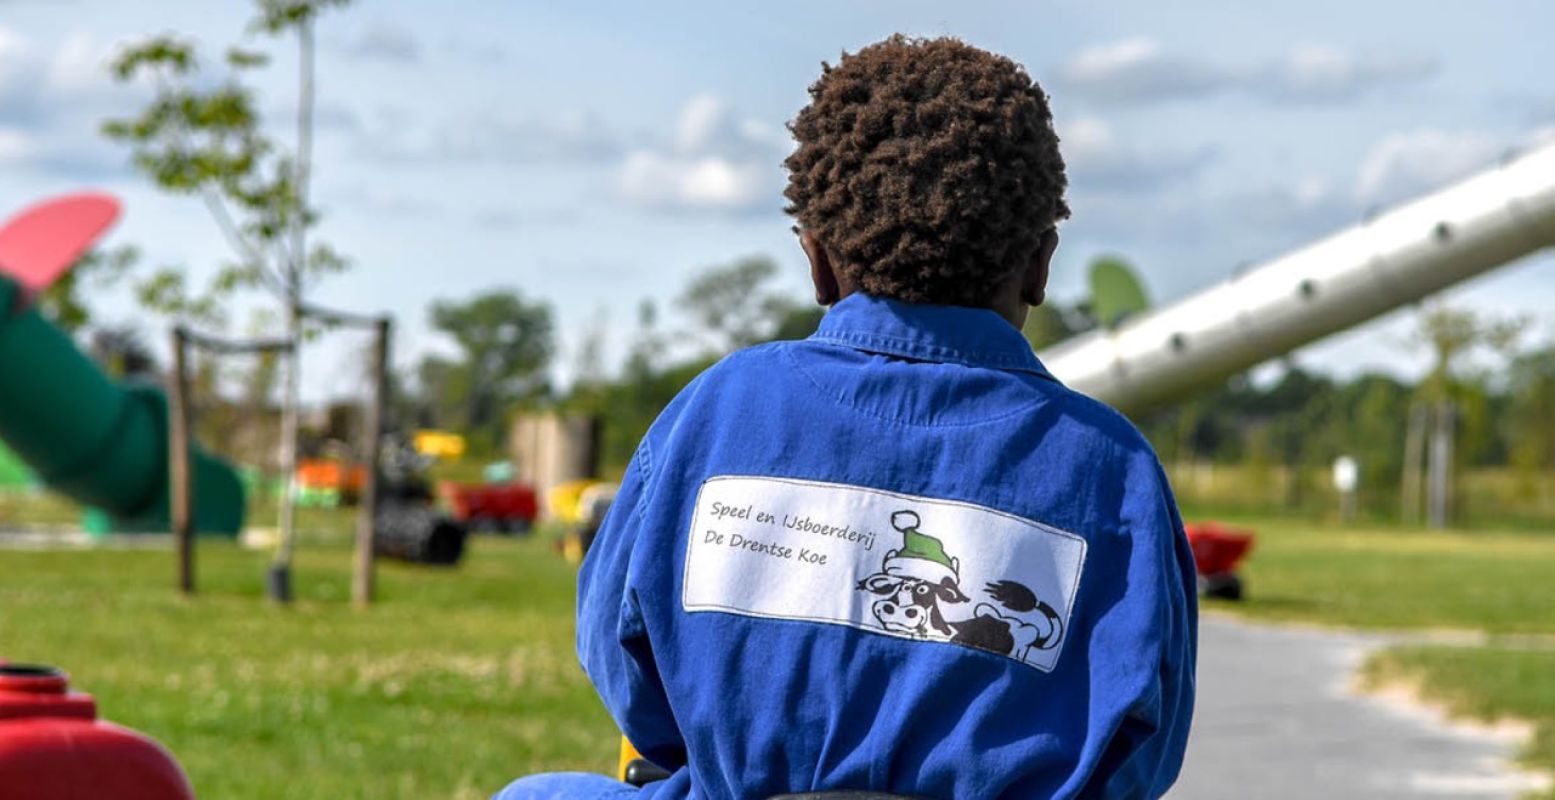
x: 898, y: 556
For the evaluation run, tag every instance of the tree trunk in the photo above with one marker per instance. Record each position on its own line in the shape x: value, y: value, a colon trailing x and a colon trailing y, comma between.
x: 280, y: 571
x: 1414, y: 445
x: 296, y: 264
x: 1440, y: 502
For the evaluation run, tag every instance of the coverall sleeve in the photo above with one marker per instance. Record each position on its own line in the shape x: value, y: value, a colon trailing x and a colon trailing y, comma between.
x: 1145, y: 753
x: 612, y: 639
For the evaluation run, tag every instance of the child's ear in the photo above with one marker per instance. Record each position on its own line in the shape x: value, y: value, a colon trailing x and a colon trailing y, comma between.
x: 1033, y: 288
x: 828, y: 289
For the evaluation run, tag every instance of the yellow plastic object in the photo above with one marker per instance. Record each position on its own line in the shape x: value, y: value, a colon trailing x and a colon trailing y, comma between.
x: 438, y: 444
x: 572, y: 549
x: 562, y: 501
x: 628, y: 755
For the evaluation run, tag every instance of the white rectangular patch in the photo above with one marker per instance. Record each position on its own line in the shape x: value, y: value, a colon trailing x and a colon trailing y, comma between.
x: 893, y: 564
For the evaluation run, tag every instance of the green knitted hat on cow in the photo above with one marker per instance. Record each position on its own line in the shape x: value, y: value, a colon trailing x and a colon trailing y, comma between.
x: 922, y: 556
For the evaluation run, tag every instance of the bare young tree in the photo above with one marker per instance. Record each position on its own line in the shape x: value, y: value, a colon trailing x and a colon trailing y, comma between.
x: 201, y: 134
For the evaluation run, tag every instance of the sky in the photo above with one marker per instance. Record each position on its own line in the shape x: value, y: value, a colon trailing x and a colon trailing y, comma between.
x: 597, y: 154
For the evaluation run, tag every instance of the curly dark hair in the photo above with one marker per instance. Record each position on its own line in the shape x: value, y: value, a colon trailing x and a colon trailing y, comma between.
x: 928, y: 168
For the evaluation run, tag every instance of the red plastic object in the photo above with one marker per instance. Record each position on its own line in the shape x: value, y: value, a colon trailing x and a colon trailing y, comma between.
x: 53, y: 746
x: 496, y: 502
x: 1218, y: 549
x: 41, y: 243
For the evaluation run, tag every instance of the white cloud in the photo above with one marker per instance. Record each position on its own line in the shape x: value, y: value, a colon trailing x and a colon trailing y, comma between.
x: 716, y: 160
x: 1318, y: 72
x: 79, y: 67
x: 52, y: 99
x: 385, y: 41
x: 1302, y: 209
x: 69, y: 74
x: 664, y: 180
x: 1096, y: 158
x: 1136, y: 69
x: 12, y: 47
x: 1398, y: 168
x: 491, y: 137
x: 18, y: 74
x: 1107, y: 60
x: 708, y: 125
x: 702, y: 122
x: 14, y: 145
x: 1409, y: 163
x: 1140, y: 70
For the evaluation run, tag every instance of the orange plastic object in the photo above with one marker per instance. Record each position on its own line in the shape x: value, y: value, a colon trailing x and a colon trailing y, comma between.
x: 321, y: 473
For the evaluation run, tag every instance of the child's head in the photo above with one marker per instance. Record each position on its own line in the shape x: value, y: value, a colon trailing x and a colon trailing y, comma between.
x: 927, y: 171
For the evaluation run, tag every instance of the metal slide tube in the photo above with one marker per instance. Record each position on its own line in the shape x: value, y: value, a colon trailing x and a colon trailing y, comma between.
x: 1362, y: 272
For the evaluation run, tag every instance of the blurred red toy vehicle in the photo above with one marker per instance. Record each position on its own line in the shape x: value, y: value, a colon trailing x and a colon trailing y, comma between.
x: 1217, y: 552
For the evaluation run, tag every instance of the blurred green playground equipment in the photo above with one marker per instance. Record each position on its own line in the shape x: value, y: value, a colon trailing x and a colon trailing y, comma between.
x: 14, y: 474
x: 100, y: 443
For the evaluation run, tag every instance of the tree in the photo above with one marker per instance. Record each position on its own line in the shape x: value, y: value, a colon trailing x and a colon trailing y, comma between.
x: 1049, y: 324
x: 1372, y: 413
x: 734, y: 305
x: 797, y: 322
x: 63, y: 303
x: 646, y: 384
x: 202, y: 134
x: 505, y: 343
x: 1452, y: 335
x: 1529, y: 425
x: 122, y: 353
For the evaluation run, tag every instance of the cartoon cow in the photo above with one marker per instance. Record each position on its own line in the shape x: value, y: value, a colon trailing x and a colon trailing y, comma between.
x: 918, y: 593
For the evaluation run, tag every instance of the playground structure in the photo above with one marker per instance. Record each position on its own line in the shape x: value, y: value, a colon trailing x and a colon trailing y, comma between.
x: 100, y: 443
x: 1338, y: 282
x: 104, y: 444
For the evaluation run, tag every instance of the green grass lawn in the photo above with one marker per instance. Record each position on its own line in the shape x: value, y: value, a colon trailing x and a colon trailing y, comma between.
x: 1501, y: 582
x: 456, y: 682
x: 459, y: 680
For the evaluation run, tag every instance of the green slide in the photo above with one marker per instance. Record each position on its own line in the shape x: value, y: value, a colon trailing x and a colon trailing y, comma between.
x: 101, y: 443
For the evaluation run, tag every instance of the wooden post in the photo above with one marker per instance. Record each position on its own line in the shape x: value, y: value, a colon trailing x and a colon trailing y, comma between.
x: 180, y: 476
x: 362, y: 586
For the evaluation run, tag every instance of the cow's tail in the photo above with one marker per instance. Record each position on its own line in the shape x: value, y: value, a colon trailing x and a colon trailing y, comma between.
x: 1051, y: 640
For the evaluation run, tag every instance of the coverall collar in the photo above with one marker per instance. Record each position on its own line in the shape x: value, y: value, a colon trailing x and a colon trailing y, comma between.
x: 973, y: 337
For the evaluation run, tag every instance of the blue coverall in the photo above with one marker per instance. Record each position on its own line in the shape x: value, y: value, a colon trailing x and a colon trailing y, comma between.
x: 897, y: 555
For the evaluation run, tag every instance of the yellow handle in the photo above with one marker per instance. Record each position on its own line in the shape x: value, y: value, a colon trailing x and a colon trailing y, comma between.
x: 628, y: 755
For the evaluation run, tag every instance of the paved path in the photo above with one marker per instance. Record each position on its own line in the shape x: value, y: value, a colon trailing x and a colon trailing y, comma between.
x: 1276, y: 718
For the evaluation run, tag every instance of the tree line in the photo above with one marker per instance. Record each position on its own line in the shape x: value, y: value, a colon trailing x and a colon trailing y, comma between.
x: 202, y: 134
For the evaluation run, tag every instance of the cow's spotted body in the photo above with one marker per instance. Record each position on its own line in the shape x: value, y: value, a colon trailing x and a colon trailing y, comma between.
x: 913, y: 606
